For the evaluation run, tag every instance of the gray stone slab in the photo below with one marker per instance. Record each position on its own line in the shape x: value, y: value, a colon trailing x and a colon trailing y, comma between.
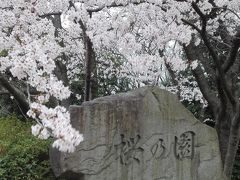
x: 146, y: 134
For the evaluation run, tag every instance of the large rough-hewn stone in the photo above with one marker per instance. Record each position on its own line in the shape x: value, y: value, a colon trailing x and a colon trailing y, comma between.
x: 145, y: 134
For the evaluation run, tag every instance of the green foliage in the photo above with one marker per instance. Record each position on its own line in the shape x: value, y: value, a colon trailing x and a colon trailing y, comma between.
x: 3, y: 53
x: 22, y: 156
x: 109, y: 77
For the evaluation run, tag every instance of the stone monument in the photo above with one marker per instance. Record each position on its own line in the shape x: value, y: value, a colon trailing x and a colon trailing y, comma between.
x: 146, y: 134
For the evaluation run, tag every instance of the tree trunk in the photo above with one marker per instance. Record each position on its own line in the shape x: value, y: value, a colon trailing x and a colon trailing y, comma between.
x: 228, y: 136
x: 18, y: 95
x: 61, y: 69
x: 220, y: 93
x: 91, y: 72
x: 91, y: 88
x: 223, y: 136
x: 89, y: 64
x: 231, y: 151
x: 233, y: 142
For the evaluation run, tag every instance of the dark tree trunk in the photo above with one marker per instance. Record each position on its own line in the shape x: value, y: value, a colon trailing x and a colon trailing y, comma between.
x: 220, y: 93
x: 91, y: 87
x: 223, y: 130
x: 18, y: 95
x: 61, y: 69
x: 88, y: 68
x: 231, y: 151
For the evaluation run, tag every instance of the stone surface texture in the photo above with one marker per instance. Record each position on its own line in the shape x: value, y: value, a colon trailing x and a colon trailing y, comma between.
x: 146, y: 134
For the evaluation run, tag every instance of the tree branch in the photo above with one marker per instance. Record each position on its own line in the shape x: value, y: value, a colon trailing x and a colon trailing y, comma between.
x: 204, y: 35
x: 214, y: 54
x: 203, y: 84
x: 50, y: 14
x: 191, y: 24
x: 224, y: 34
x: 114, y: 4
x: 233, y: 52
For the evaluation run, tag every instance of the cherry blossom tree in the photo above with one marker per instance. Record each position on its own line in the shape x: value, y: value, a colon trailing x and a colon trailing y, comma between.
x: 33, y: 50
x: 48, y: 42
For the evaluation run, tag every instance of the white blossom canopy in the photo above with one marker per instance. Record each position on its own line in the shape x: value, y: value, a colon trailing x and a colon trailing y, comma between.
x: 137, y: 29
